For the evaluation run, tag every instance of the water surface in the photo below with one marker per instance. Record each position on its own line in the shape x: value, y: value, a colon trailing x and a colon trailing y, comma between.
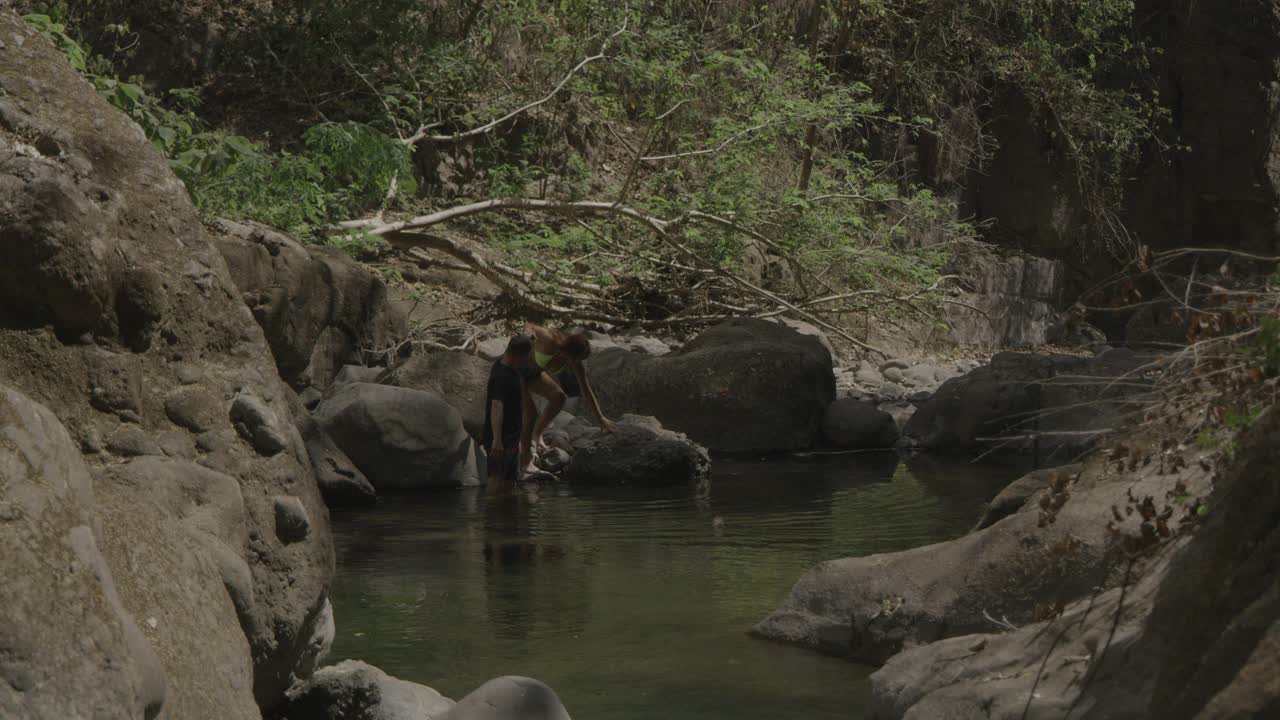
x: 635, y: 605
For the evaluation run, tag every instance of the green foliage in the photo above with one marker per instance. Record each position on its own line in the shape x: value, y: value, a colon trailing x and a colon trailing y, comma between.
x: 1206, y: 440
x: 359, y: 163
x: 348, y: 167
x: 284, y: 191
x: 720, y: 98
x: 1241, y: 421
x: 57, y: 32
x: 1266, y: 346
x: 362, y: 246
x: 1062, y: 58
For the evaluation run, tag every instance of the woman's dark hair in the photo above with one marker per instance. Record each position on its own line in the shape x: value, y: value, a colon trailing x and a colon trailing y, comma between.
x: 576, y: 345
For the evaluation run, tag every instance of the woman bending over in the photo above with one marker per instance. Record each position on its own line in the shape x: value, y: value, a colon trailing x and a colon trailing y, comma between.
x: 556, y: 373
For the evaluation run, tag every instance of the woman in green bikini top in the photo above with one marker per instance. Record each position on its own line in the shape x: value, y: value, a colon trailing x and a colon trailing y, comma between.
x: 556, y: 354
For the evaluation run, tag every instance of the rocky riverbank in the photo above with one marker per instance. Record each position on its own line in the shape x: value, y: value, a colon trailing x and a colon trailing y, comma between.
x: 1072, y: 593
x: 167, y: 548
x: 182, y: 402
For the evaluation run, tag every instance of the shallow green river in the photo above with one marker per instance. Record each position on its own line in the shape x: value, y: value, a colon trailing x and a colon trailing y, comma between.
x: 636, y: 604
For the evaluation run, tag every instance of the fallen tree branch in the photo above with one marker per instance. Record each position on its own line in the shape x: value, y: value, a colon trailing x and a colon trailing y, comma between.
x: 660, y: 227
x: 408, y: 242
x: 1003, y: 623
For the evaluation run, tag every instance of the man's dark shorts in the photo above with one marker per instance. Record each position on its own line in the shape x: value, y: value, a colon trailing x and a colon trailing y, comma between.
x: 505, y: 465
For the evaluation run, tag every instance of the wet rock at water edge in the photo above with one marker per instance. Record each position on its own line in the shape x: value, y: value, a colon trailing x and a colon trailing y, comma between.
x: 509, y: 698
x: 341, y: 483
x: 355, y: 690
x: 640, y: 452
x: 855, y: 425
x: 1010, y: 397
x: 400, y: 439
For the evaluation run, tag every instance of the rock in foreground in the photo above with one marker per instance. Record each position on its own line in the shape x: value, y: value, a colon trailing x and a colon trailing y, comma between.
x: 742, y: 386
x: 117, y: 312
x: 1045, y: 554
x: 510, y: 697
x: 354, y: 690
x: 59, y: 664
x: 1193, y: 630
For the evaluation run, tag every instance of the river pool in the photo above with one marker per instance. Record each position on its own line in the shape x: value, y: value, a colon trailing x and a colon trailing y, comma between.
x: 636, y: 604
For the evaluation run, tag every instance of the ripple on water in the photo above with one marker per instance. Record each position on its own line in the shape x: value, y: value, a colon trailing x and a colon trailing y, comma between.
x: 635, y: 604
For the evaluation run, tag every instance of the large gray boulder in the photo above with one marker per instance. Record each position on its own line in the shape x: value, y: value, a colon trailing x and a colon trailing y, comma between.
x: 460, y: 378
x: 742, y: 386
x: 400, y: 439
x: 1052, y: 551
x: 200, y: 566
x: 1033, y: 672
x: 355, y: 690
x: 1062, y: 398
x: 113, y: 302
x: 71, y: 646
x: 640, y: 453
x: 319, y: 308
x: 856, y: 425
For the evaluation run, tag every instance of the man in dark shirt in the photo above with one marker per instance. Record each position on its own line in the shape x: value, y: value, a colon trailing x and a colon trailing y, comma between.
x: 504, y: 414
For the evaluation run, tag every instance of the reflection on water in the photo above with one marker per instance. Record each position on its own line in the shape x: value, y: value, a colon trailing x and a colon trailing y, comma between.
x: 636, y: 604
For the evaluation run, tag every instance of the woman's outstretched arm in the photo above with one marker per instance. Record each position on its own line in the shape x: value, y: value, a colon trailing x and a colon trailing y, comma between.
x: 589, y: 394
